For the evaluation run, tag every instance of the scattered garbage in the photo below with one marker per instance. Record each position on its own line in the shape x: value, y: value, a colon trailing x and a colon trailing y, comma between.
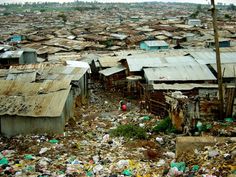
x: 213, y: 153
x: 113, y: 143
x: 127, y: 172
x: 179, y: 165
x: 229, y: 120
x: 161, y: 162
x: 53, y: 141
x: 199, y: 126
x: 195, y: 168
x: 160, y: 140
x: 146, y: 118
x: 170, y: 154
x: 4, y: 161
x: 29, y: 157
x: 43, y: 150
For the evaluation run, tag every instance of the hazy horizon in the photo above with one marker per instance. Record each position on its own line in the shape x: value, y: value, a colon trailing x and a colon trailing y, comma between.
x: 61, y: 1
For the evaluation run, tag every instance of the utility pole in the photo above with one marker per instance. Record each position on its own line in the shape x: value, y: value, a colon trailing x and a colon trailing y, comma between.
x: 218, y: 62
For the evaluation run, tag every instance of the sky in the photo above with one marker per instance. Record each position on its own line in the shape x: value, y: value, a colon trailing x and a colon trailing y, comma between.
x: 192, y: 1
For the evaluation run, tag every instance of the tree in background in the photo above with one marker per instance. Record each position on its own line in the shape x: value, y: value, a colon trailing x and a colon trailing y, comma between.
x: 63, y: 17
x: 232, y: 7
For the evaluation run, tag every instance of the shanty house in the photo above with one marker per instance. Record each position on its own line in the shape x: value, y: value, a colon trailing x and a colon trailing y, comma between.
x: 15, y: 38
x: 184, y: 103
x: 75, y: 71
x: 181, y: 73
x: 25, y: 56
x: 114, y: 77
x: 222, y: 43
x: 194, y: 22
x: 9, y: 58
x: 28, y: 108
x: 210, y: 57
x: 29, y: 56
x: 154, y: 45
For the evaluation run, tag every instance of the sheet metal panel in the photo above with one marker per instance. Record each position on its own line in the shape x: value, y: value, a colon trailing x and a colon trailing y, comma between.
x: 11, y: 54
x: 108, y: 61
x: 228, y: 69
x: 186, y: 86
x: 33, y: 99
x: 210, y: 57
x: 179, y: 73
x: 137, y: 63
x: 22, y: 76
x: 158, y: 43
x: 113, y: 70
x: 52, y: 71
x: 180, y: 60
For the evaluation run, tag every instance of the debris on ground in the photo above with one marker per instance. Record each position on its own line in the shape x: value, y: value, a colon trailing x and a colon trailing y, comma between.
x: 106, y: 141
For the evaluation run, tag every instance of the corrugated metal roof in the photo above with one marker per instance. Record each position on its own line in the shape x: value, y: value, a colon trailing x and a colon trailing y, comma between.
x: 185, y: 86
x: 108, y: 61
x: 64, y: 56
x: 137, y: 38
x: 22, y: 76
x: 210, y: 57
x: 156, y: 43
x: 11, y: 54
x: 228, y: 49
x: 181, y: 60
x: 42, y: 49
x: 119, y: 36
x: 228, y: 69
x: 79, y: 64
x: 113, y: 70
x: 3, y: 74
x: 179, y: 73
x: 33, y: 99
x: 51, y: 71
x: 89, y: 58
x: 69, y: 44
x: 136, y: 64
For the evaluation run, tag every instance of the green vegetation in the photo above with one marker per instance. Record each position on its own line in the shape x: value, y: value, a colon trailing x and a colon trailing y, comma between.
x: 82, y: 8
x: 227, y: 16
x: 232, y: 7
x: 6, y: 13
x: 63, y: 17
x: 163, y: 125
x: 129, y: 131
x: 42, y: 7
x: 199, y: 7
x: 108, y: 43
x: 194, y: 15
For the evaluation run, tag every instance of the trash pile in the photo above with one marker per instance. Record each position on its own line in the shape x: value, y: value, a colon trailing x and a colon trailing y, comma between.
x: 217, y: 160
x: 89, y: 148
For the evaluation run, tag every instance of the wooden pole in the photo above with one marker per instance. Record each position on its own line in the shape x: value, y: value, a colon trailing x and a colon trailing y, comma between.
x: 218, y: 62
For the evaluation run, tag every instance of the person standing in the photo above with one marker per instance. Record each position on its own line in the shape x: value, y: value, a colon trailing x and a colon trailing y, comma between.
x: 128, y: 104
